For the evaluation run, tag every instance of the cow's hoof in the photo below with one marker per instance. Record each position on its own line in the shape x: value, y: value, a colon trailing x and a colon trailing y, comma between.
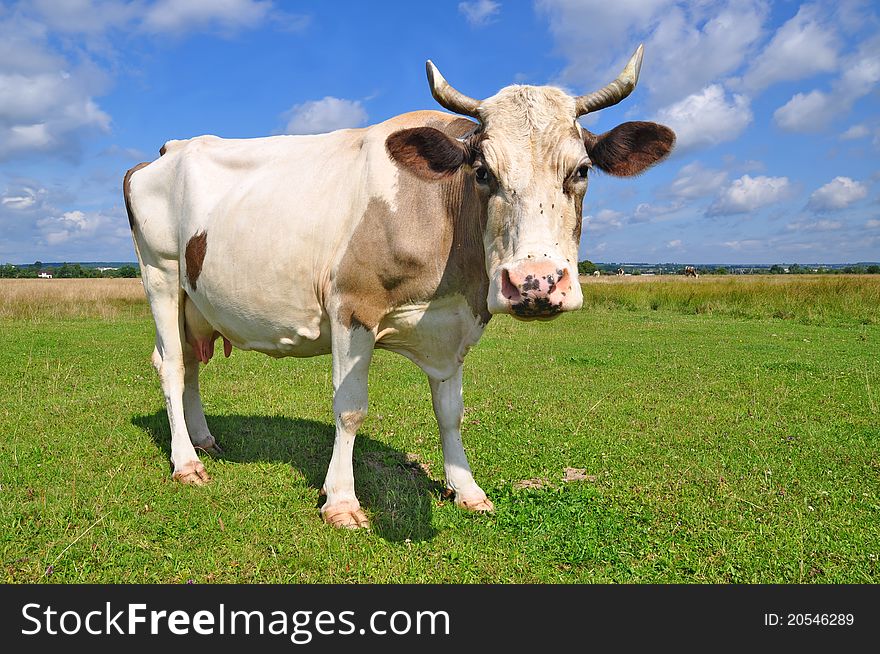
x: 193, y: 473
x: 346, y: 515
x: 478, y: 504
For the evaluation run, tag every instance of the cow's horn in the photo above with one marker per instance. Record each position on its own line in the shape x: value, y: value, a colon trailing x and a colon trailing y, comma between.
x: 447, y: 96
x: 614, y: 92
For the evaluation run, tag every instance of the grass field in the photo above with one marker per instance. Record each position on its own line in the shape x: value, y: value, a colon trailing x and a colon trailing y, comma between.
x: 720, y: 430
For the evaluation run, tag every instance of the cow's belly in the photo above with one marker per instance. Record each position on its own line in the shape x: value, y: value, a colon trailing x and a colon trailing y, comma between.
x: 435, y: 335
x: 277, y: 324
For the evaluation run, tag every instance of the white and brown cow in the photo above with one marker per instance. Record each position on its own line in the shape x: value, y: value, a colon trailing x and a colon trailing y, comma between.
x: 407, y: 235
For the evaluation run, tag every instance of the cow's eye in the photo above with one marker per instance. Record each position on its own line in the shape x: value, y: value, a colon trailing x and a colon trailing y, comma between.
x: 582, y: 171
x: 481, y: 174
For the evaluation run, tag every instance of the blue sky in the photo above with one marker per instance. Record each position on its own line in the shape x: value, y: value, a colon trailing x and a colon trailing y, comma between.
x: 775, y: 105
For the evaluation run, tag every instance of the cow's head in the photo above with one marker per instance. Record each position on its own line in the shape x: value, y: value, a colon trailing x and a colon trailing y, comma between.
x: 530, y: 161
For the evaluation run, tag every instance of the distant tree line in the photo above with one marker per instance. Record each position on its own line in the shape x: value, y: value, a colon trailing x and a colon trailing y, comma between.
x: 65, y: 271
x: 587, y: 267
x: 797, y: 269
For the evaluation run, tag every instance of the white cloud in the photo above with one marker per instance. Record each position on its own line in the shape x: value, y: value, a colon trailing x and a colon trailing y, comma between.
x: 805, y: 112
x: 131, y: 154
x: 674, y: 245
x: 597, y: 37
x: 813, y: 111
x: 745, y: 244
x: 646, y: 212
x: 188, y: 15
x: 799, y: 247
x: 45, y: 103
x: 695, y: 181
x: 40, y: 220
x: 599, y: 248
x: 689, y: 50
x: 687, y: 44
x: 802, y: 47
x: 479, y: 12
x: 814, y: 226
x: 73, y: 226
x: 855, y: 132
x: 94, y: 17
x: 325, y: 115
x: 24, y: 197
x: 748, y: 194
x: 49, y: 85
x: 604, y: 221
x: 873, y: 224
x: 84, y: 16
x: 706, y: 118
x: 837, y: 194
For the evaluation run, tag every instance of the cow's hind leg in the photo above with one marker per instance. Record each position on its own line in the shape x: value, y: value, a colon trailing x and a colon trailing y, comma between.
x: 198, y: 334
x: 166, y: 303
x: 196, y: 424
x: 352, y: 352
x: 449, y: 409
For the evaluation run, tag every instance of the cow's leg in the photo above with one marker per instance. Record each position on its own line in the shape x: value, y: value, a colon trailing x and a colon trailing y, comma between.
x: 449, y: 409
x: 166, y: 303
x: 196, y: 424
x: 352, y: 352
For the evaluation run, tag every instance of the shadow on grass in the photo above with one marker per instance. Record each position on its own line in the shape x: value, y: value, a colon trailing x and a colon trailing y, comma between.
x: 395, y: 491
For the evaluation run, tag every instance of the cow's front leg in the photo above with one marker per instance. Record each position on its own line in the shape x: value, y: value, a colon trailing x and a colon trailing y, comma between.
x: 352, y: 352
x: 449, y: 409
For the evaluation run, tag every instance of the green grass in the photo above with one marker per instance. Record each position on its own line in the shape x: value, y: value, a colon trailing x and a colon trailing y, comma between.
x: 724, y: 448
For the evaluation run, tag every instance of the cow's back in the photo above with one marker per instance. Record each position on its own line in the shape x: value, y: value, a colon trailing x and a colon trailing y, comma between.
x: 258, y: 226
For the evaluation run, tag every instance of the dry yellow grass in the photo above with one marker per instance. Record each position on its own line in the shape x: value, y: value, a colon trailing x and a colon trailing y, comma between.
x: 37, y: 300
x: 808, y: 298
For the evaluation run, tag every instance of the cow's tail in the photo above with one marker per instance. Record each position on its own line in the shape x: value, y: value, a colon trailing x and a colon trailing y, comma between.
x: 132, y: 221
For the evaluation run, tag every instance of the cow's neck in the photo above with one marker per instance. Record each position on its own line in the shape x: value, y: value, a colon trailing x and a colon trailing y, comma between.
x: 428, y: 246
x: 465, y: 269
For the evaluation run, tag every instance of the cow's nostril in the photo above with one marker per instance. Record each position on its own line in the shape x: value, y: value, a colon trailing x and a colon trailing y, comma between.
x: 563, y: 281
x: 508, y: 288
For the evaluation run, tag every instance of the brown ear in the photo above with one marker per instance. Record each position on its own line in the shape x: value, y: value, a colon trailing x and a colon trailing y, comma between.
x: 427, y: 152
x: 630, y: 148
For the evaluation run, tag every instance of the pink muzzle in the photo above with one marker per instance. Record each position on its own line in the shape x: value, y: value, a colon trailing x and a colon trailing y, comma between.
x: 535, y: 289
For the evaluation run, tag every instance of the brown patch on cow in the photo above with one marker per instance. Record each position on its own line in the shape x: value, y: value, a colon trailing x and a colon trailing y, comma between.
x: 429, y: 247
x: 126, y: 191
x: 162, y: 151
x: 352, y: 420
x: 195, y: 257
x: 427, y: 152
x: 629, y: 148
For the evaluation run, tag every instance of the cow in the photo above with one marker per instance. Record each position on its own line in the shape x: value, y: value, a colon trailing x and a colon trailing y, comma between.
x: 690, y: 271
x: 407, y: 235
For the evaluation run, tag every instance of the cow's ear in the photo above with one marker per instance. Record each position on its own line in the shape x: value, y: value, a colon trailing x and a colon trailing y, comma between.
x: 630, y: 148
x: 427, y: 152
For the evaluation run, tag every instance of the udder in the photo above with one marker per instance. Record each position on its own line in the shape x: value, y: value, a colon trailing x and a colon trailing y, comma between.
x: 200, y: 334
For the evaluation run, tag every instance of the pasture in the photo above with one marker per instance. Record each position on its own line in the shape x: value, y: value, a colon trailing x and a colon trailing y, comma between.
x: 713, y: 430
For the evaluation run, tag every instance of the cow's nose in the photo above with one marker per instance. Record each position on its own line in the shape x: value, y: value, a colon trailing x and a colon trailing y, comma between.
x: 535, y: 288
